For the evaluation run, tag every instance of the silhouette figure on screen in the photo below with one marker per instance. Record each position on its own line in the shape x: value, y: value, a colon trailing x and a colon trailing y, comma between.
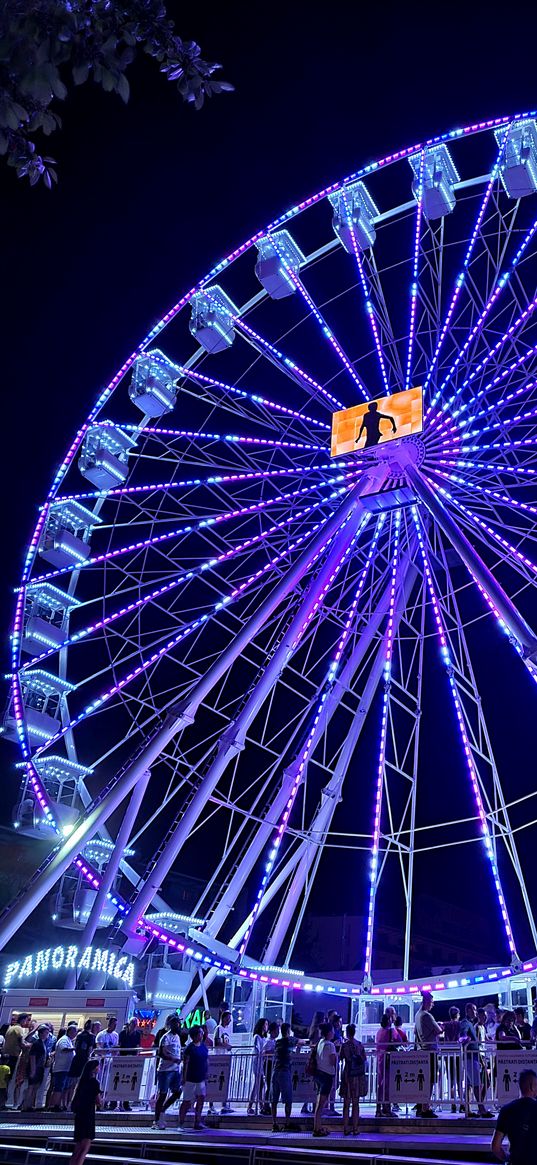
x: 371, y: 425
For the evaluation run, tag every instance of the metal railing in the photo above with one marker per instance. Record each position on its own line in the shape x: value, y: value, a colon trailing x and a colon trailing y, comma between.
x: 453, y: 1078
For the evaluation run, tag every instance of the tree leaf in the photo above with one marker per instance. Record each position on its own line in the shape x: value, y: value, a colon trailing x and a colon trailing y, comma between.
x: 123, y: 88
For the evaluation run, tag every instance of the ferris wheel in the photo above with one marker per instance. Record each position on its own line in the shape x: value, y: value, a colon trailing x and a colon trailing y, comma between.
x: 239, y: 598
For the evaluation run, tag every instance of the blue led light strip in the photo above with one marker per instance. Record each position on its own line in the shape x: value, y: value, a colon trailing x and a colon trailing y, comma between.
x: 466, y: 744
x: 415, y: 273
x: 476, y: 520
x: 370, y: 311
x: 503, y: 281
x: 381, y: 769
x: 188, y: 629
x: 325, y: 329
x: 298, y: 768
x: 461, y: 278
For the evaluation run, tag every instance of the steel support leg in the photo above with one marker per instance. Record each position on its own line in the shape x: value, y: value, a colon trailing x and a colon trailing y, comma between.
x: 97, y: 980
x: 233, y: 740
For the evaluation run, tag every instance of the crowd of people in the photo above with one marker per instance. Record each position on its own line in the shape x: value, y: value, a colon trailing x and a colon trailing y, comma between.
x: 60, y: 1072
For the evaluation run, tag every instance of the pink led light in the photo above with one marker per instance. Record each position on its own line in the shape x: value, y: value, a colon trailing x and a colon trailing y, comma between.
x: 389, y: 635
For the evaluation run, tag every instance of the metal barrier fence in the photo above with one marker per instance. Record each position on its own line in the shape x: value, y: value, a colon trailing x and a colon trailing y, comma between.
x: 453, y: 1078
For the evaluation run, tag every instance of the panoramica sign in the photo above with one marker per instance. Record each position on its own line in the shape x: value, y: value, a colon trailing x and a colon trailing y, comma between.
x: 70, y: 958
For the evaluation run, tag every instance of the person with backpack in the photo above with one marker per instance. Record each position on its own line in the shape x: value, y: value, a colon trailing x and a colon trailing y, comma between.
x: 353, y: 1079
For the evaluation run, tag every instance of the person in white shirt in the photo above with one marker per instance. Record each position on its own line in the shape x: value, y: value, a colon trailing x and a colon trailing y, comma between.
x: 108, y: 1038
x: 62, y: 1059
x: 209, y: 1024
x: 222, y: 1042
x: 258, y: 1084
x: 326, y: 1058
x: 169, y: 1073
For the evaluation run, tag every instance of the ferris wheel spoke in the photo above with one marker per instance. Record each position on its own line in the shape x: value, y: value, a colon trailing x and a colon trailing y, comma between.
x: 295, y: 772
x: 158, y: 593
x: 494, y: 500
x: 268, y: 406
x: 376, y: 866
x: 498, y: 383
x: 468, y: 745
x: 284, y: 363
x: 235, y: 742
x: 511, y: 555
x: 501, y: 282
x: 414, y: 286
x: 368, y: 303
x: 326, y: 330
x: 462, y: 276
x: 388, y: 343
x: 433, y: 499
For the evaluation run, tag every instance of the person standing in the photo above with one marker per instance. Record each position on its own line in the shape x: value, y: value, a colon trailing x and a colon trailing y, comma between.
x: 523, y: 1026
x: 222, y: 1042
x: 14, y: 1040
x: 108, y: 1038
x: 195, y: 1068
x: 452, y: 1032
x: 427, y: 1031
x: 85, y: 1100
x: 62, y: 1060
x: 36, y: 1067
x: 209, y: 1024
x: 130, y: 1038
x: 258, y: 1085
x: 326, y: 1058
x: 518, y: 1122
x: 84, y: 1045
x: 282, y: 1084
x: 169, y: 1072
x: 353, y: 1062
x: 468, y: 1037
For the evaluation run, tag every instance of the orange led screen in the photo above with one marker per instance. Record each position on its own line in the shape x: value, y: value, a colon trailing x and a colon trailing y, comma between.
x: 366, y: 425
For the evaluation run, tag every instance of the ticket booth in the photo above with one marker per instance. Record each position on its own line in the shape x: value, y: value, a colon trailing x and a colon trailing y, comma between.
x: 60, y: 1007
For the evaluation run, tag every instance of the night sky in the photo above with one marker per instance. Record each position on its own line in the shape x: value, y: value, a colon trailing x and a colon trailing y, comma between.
x: 152, y: 194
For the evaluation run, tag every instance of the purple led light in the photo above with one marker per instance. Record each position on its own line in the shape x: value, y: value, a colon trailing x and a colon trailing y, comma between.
x: 181, y: 579
x: 415, y: 274
x: 475, y: 519
x: 96, y: 704
x: 300, y: 765
x: 466, y: 744
x: 516, y: 364
x: 502, y: 282
x: 287, y: 363
x: 459, y: 283
x: 389, y: 636
x: 230, y: 438
x: 326, y: 330
x: 192, y: 374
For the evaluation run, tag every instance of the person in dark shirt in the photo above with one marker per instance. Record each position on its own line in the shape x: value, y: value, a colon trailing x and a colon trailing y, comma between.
x: 195, y: 1066
x: 523, y: 1026
x: 84, y: 1101
x: 282, y: 1084
x: 84, y: 1045
x: 371, y: 425
x: 130, y: 1038
x: 518, y: 1122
